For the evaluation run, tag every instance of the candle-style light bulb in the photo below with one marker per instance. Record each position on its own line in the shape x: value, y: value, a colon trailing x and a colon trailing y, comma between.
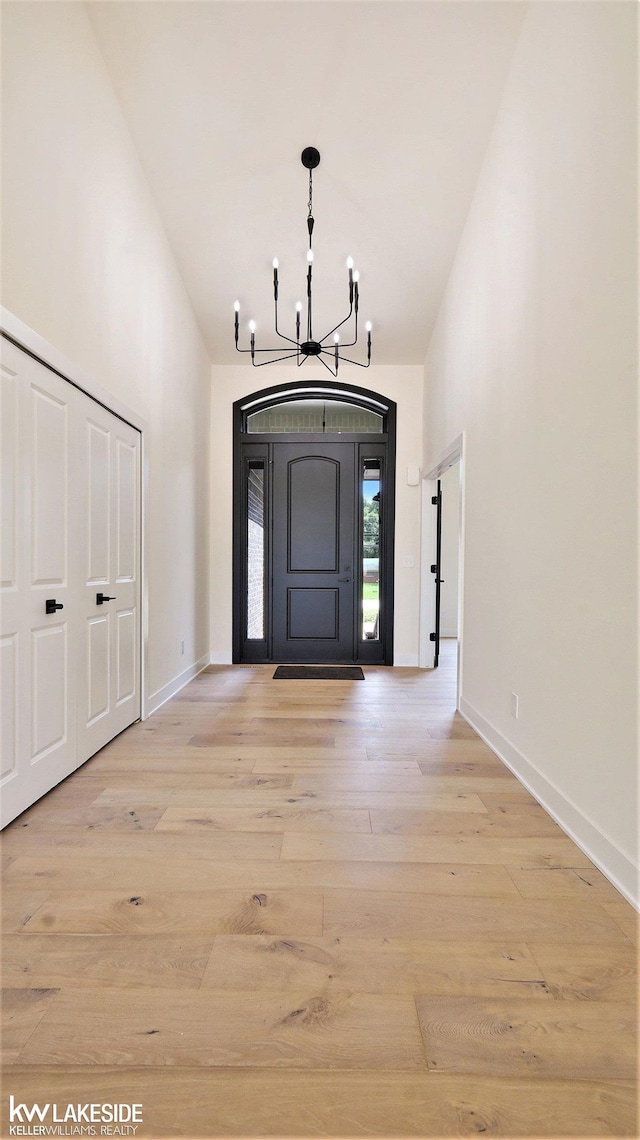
x: 309, y: 256
x: 298, y: 306
x: 336, y: 339
x: 252, y: 327
x: 349, y: 263
x: 356, y: 276
x: 236, y: 306
x: 275, y: 263
x: 368, y: 326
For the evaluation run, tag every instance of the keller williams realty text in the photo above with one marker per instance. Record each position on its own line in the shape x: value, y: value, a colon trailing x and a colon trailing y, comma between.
x: 77, y: 1119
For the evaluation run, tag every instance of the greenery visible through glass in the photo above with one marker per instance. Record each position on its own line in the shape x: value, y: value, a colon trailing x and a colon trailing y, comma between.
x: 313, y: 416
x: 370, y: 602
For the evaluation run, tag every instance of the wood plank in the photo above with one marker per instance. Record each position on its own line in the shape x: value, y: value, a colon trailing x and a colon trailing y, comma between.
x: 91, y: 960
x: 563, y: 882
x: 225, y: 911
x: 409, y: 821
x: 21, y: 901
x: 22, y: 1011
x: 535, y: 852
x: 625, y: 916
x: 338, y: 765
x: 221, y: 844
x: 375, y: 965
x: 103, y: 817
x: 371, y: 914
x: 267, y: 796
x: 425, y: 785
x: 169, y: 759
x: 274, y: 819
x: 578, y: 1040
x: 211, y: 1028
x: 224, y: 1103
x: 185, y: 873
x: 589, y: 973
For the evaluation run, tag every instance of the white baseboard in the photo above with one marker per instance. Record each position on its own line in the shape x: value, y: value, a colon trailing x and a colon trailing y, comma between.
x: 406, y: 660
x: 222, y: 658
x: 155, y: 700
x: 602, y: 851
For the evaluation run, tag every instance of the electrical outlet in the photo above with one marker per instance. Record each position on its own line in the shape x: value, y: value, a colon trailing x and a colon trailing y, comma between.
x: 182, y: 647
x: 514, y: 705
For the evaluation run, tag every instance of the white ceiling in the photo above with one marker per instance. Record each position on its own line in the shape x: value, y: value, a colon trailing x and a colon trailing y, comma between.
x: 221, y: 96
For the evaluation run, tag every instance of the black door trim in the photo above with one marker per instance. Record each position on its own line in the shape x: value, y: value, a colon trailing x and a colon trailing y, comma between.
x: 244, y: 444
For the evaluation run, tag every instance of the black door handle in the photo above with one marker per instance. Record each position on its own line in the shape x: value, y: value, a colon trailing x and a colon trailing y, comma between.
x: 344, y: 579
x: 51, y: 605
x: 100, y: 598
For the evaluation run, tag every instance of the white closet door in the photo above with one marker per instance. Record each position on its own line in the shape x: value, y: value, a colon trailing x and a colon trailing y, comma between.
x: 66, y: 672
x: 109, y: 690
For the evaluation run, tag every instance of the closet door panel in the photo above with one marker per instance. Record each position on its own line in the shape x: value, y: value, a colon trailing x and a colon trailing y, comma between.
x: 110, y: 528
x: 39, y: 623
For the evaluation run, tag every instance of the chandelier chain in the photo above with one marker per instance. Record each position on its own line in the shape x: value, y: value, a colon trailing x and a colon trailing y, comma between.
x: 310, y: 202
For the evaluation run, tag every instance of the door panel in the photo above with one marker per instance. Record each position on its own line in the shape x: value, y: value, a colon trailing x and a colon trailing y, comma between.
x: 314, y: 536
x: 99, y: 512
x: 126, y: 656
x: 313, y: 493
x: 49, y: 672
x: 49, y: 489
x: 109, y: 690
x: 38, y: 536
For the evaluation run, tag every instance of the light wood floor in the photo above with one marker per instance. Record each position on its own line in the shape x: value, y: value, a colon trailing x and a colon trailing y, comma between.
x: 297, y: 908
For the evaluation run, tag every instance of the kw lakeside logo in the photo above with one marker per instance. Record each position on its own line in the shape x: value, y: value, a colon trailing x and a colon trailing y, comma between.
x: 95, y: 1119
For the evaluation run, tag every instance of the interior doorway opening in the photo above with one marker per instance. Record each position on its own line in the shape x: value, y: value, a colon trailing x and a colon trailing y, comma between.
x: 442, y: 590
x: 314, y: 492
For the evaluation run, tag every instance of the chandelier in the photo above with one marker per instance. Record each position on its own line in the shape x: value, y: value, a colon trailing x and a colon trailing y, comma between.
x: 328, y: 345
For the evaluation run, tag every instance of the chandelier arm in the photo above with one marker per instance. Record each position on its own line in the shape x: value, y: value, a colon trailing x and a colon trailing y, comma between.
x: 347, y: 359
x: 278, y: 333
x: 277, y: 348
x: 338, y: 326
x: 262, y: 363
x: 325, y: 363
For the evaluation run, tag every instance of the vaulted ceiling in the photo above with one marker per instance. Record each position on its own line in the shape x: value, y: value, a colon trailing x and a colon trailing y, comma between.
x: 221, y: 96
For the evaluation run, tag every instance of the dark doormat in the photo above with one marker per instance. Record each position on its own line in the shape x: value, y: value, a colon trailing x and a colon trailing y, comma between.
x: 318, y: 673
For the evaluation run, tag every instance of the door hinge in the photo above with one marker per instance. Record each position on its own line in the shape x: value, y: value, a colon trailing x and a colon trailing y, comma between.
x: 434, y: 500
x: 434, y: 568
x: 432, y: 637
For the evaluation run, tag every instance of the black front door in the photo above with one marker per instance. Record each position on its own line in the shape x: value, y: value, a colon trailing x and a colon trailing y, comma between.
x: 314, y: 559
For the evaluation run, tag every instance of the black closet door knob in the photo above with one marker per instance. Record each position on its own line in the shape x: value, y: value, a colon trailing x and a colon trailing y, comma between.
x: 100, y: 598
x: 51, y: 605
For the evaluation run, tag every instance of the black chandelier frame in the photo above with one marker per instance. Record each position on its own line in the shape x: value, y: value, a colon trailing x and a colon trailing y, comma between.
x: 304, y: 349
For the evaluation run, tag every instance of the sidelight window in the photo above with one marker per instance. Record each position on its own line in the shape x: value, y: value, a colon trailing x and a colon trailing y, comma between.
x: 256, y: 552
x: 371, y: 484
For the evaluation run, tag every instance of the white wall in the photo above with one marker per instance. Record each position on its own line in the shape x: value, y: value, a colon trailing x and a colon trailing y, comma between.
x: 402, y: 384
x: 86, y: 264
x: 534, y: 357
x: 450, y: 486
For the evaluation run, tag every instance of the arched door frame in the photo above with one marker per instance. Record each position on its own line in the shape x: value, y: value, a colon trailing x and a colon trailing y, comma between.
x: 284, y: 393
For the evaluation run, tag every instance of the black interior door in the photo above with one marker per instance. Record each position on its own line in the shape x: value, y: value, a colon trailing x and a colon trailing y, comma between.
x: 314, y: 552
